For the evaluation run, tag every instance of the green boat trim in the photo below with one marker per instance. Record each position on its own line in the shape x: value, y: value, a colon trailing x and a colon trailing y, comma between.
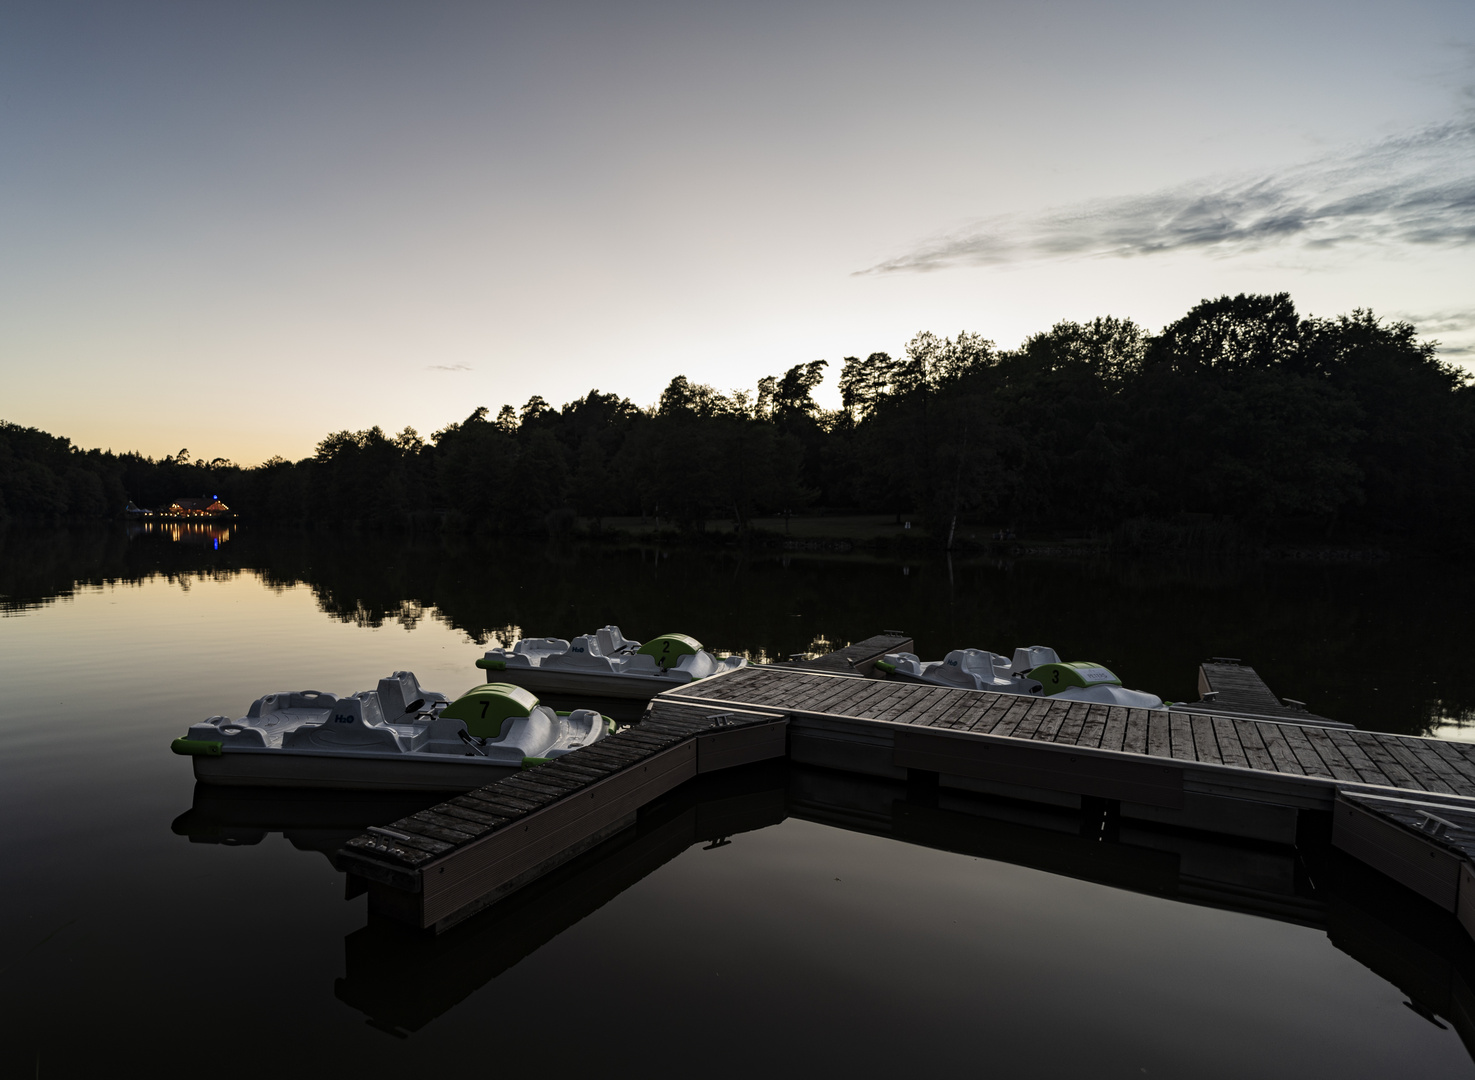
x: 192, y: 747
x: 1077, y: 674
x: 487, y: 709
x: 668, y: 649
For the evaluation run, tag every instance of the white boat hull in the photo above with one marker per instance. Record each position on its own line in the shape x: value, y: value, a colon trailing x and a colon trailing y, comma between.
x: 364, y: 772
x: 583, y: 684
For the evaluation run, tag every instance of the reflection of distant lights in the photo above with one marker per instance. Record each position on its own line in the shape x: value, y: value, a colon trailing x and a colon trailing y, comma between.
x: 217, y: 543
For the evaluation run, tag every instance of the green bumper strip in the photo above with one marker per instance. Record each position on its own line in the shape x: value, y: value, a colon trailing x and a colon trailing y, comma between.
x: 492, y: 665
x: 534, y: 762
x: 884, y: 666
x: 195, y: 746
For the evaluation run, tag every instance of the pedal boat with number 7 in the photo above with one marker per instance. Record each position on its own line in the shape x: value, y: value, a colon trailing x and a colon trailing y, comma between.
x: 395, y: 737
x: 605, y: 664
x: 1036, y: 670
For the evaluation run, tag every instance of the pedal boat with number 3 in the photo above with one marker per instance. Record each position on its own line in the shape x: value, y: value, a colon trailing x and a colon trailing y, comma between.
x: 1036, y: 670
x: 605, y: 664
x: 395, y: 737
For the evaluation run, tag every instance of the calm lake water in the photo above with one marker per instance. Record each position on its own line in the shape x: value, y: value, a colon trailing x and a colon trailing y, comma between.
x: 775, y: 921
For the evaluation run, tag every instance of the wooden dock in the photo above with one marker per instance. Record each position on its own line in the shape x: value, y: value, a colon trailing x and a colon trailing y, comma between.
x: 1234, y: 775
x: 439, y: 866
x: 858, y: 658
x: 1426, y: 843
x: 1229, y: 687
x: 1403, y: 805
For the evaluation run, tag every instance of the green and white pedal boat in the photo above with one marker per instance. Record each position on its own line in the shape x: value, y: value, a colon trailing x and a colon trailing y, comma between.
x: 605, y: 664
x: 395, y: 737
x: 1036, y: 670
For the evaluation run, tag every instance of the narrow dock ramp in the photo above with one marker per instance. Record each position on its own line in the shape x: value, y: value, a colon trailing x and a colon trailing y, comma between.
x: 439, y: 866
x: 1230, y: 687
x: 858, y: 658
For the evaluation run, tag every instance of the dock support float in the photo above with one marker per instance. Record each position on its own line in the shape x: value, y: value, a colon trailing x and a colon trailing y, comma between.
x: 1425, y: 843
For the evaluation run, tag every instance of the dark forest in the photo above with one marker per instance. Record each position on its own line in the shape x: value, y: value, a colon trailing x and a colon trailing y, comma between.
x: 1241, y: 422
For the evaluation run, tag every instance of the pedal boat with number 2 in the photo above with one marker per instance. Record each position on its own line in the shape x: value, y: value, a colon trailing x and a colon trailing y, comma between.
x: 605, y: 664
x: 1036, y: 670
x: 396, y: 737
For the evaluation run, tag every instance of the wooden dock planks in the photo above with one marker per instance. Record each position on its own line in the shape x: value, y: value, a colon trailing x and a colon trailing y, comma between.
x: 440, y: 865
x: 1425, y: 844
x: 1230, y: 688
x: 1284, y: 751
x: 860, y: 657
x: 1202, y: 770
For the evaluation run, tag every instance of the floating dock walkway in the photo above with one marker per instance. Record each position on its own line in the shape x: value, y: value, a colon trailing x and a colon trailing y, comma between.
x: 1238, y: 764
x: 1227, y: 774
x: 439, y: 866
x: 1227, y: 687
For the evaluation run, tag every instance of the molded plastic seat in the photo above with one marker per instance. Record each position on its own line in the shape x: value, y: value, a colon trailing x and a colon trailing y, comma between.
x: 356, y: 723
x: 583, y: 653
x: 1033, y: 656
x: 905, y: 662
x: 541, y: 646
x: 612, y: 641
x: 402, y: 690
x: 283, y: 700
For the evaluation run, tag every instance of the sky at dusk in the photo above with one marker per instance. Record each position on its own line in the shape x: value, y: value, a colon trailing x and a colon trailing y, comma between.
x: 238, y: 227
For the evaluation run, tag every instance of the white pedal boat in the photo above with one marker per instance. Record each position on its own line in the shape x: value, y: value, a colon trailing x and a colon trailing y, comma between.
x: 1036, y: 670
x: 396, y: 737
x: 605, y: 664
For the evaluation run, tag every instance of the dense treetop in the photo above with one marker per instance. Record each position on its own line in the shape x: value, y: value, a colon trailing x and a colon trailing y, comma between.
x: 1241, y: 411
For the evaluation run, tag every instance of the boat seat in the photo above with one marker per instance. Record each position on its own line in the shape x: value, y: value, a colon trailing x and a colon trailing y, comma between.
x: 905, y: 662
x: 290, y: 699
x: 401, y: 690
x: 1030, y: 657
x: 612, y: 641
x: 583, y: 653
x: 356, y: 723
x: 542, y: 646
x: 977, y: 661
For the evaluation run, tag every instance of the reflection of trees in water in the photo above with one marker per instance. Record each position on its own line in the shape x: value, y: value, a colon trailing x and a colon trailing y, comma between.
x: 1452, y: 719
x: 40, y: 566
x: 1379, y: 645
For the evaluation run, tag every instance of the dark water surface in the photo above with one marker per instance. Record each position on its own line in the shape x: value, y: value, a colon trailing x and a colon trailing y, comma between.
x: 774, y: 921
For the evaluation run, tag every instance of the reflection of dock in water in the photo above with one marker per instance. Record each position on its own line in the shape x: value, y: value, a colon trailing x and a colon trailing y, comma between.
x: 403, y: 980
x: 310, y: 820
x: 1401, y: 937
x: 1156, y: 803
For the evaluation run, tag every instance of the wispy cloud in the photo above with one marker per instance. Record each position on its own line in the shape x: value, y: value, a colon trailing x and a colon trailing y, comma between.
x: 1439, y: 322
x: 1414, y: 189
x: 449, y: 367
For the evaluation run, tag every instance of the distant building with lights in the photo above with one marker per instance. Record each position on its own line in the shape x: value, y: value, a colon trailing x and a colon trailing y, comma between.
x: 211, y: 507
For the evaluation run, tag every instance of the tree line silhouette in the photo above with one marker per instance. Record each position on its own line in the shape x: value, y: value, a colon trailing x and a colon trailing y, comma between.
x: 1241, y: 417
